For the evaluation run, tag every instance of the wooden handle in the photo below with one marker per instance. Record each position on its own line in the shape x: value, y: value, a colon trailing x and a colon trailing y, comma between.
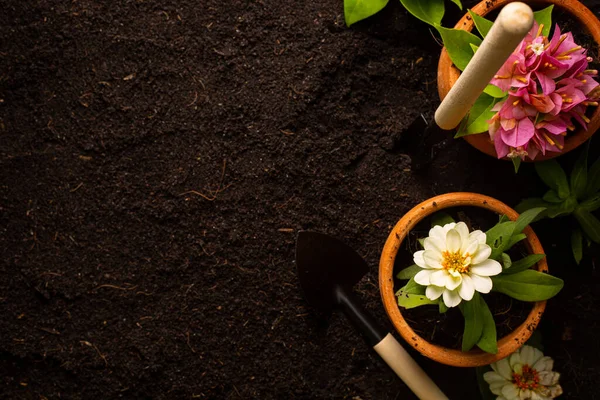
x: 407, y: 369
x: 511, y: 26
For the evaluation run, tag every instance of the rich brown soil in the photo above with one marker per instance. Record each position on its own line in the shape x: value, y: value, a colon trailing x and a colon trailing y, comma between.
x: 158, y: 159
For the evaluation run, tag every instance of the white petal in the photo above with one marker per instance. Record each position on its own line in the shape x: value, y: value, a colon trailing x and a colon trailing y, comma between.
x: 483, y: 284
x: 433, y: 259
x: 555, y: 391
x: 418, y: 259
x: 503, y: 368
x: 451, y: 298
x: 469, y: 247
x: 510, y: 392
x: 487, y: 268
x: 544, y: 364
x: 515, y: 358
x: 483, y: 253
x: 434, y: 243
x: 530, y: 355
x: 453, y: 282
x: 493, y: 376
x: 434, y: 292
x: 439, y: 277
x: 527, y: 355
x: 496, y: 387
x: 462, y: 229
x: 549, y: 378
x: 449, y: 226
x: 525, y: 394
x: 438, y: 234
x: 535, y: 396
x: 453, y: 241
x: 467, y: 288
x: 424, y: 277
x: 479, y: 236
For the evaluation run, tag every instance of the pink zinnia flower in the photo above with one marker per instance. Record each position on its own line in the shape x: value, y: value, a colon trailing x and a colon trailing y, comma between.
x: 549, y: 85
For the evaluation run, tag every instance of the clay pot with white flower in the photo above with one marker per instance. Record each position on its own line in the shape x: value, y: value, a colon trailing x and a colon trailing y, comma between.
x: 544, y: 100
x: 461, y: 265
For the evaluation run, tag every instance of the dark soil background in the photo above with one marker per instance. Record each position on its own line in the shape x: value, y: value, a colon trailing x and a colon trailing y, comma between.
x: 158, y: 159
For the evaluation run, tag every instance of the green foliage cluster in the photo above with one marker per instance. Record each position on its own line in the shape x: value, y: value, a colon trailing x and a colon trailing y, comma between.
x: 516, y: 280
x: 578, y: 195
x: 429, y: 11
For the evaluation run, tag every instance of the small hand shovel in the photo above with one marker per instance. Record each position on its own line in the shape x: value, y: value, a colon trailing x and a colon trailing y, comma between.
x: 509, y: 29
x: 328, y: 269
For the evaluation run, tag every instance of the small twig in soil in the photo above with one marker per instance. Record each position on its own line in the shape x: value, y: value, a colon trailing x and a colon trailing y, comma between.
x: 188, y: 342
x: 95, y: 348
x: 213, y: 194
x: 51, y: 331
x: 115, y: 287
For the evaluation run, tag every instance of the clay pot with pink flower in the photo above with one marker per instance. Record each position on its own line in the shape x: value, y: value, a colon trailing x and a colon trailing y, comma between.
x: 544, y: 100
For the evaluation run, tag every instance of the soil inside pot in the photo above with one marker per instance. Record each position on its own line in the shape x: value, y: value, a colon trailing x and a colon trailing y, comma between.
x: 447, y: 329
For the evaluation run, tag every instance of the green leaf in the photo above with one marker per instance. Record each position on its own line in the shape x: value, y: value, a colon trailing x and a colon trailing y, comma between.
x: 473, y: 322
x: 483, y: 25
x: 552, y: 197
x: 516, y: 163
x: 421, y: 242
x: 413, y: 295
x: 408, y: 300
x: 532, y: 202
x: 474, y: 48
x: 411, y: 287
x: 409, y: 272
x: 528, y: 285
x: 591, y: 204
x: 498, y: 238
x: 506, y: 261
x: 441, y: 218
x: 503, y: 218
x: 524, y: 263
x: 554, y: 177
x: 430, y: 12
x: 484, y: 387
x: 357, y: 10
x: 579, y: 175
x: 495, y: 91
x: 593, y: 185
x: 562, y: 209
x: 577, y: 244
x: 544, y: 17
x: 478, y: 116
x: 443, y: 306
x: 526, y: 218
x: 488, y: 341
x: 457, y: 43
x: 589, y: 223
x: 458, y: 3
x: 515, y: 239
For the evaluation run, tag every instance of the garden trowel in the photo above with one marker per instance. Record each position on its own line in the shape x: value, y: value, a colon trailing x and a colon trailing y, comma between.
x: 328, y: 269
x: 509, y: 29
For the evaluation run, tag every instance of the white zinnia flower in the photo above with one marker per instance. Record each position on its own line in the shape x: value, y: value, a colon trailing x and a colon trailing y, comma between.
x: 525, y: 374
x: 455, y: 264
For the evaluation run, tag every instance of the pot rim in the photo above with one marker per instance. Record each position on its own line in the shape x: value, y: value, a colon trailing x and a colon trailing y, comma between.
x: 448, y: 73
x: 475, y: 357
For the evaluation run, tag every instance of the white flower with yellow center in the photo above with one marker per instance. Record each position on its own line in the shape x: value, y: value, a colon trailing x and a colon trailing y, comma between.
x: 455, y: 264
x: 524, y: 375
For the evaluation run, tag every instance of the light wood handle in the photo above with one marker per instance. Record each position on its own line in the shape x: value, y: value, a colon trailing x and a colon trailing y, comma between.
x: 407, y: 369
x: 511, y: 26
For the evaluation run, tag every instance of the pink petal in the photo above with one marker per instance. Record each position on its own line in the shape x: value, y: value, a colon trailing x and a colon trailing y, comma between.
x: 520, y: 135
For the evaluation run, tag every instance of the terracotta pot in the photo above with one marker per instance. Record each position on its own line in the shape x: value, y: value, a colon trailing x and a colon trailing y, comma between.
x: 448, y: 73
x: 506, y: 345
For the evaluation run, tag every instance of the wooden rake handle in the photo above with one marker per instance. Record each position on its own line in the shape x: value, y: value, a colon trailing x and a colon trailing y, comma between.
x: 511, y: 26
